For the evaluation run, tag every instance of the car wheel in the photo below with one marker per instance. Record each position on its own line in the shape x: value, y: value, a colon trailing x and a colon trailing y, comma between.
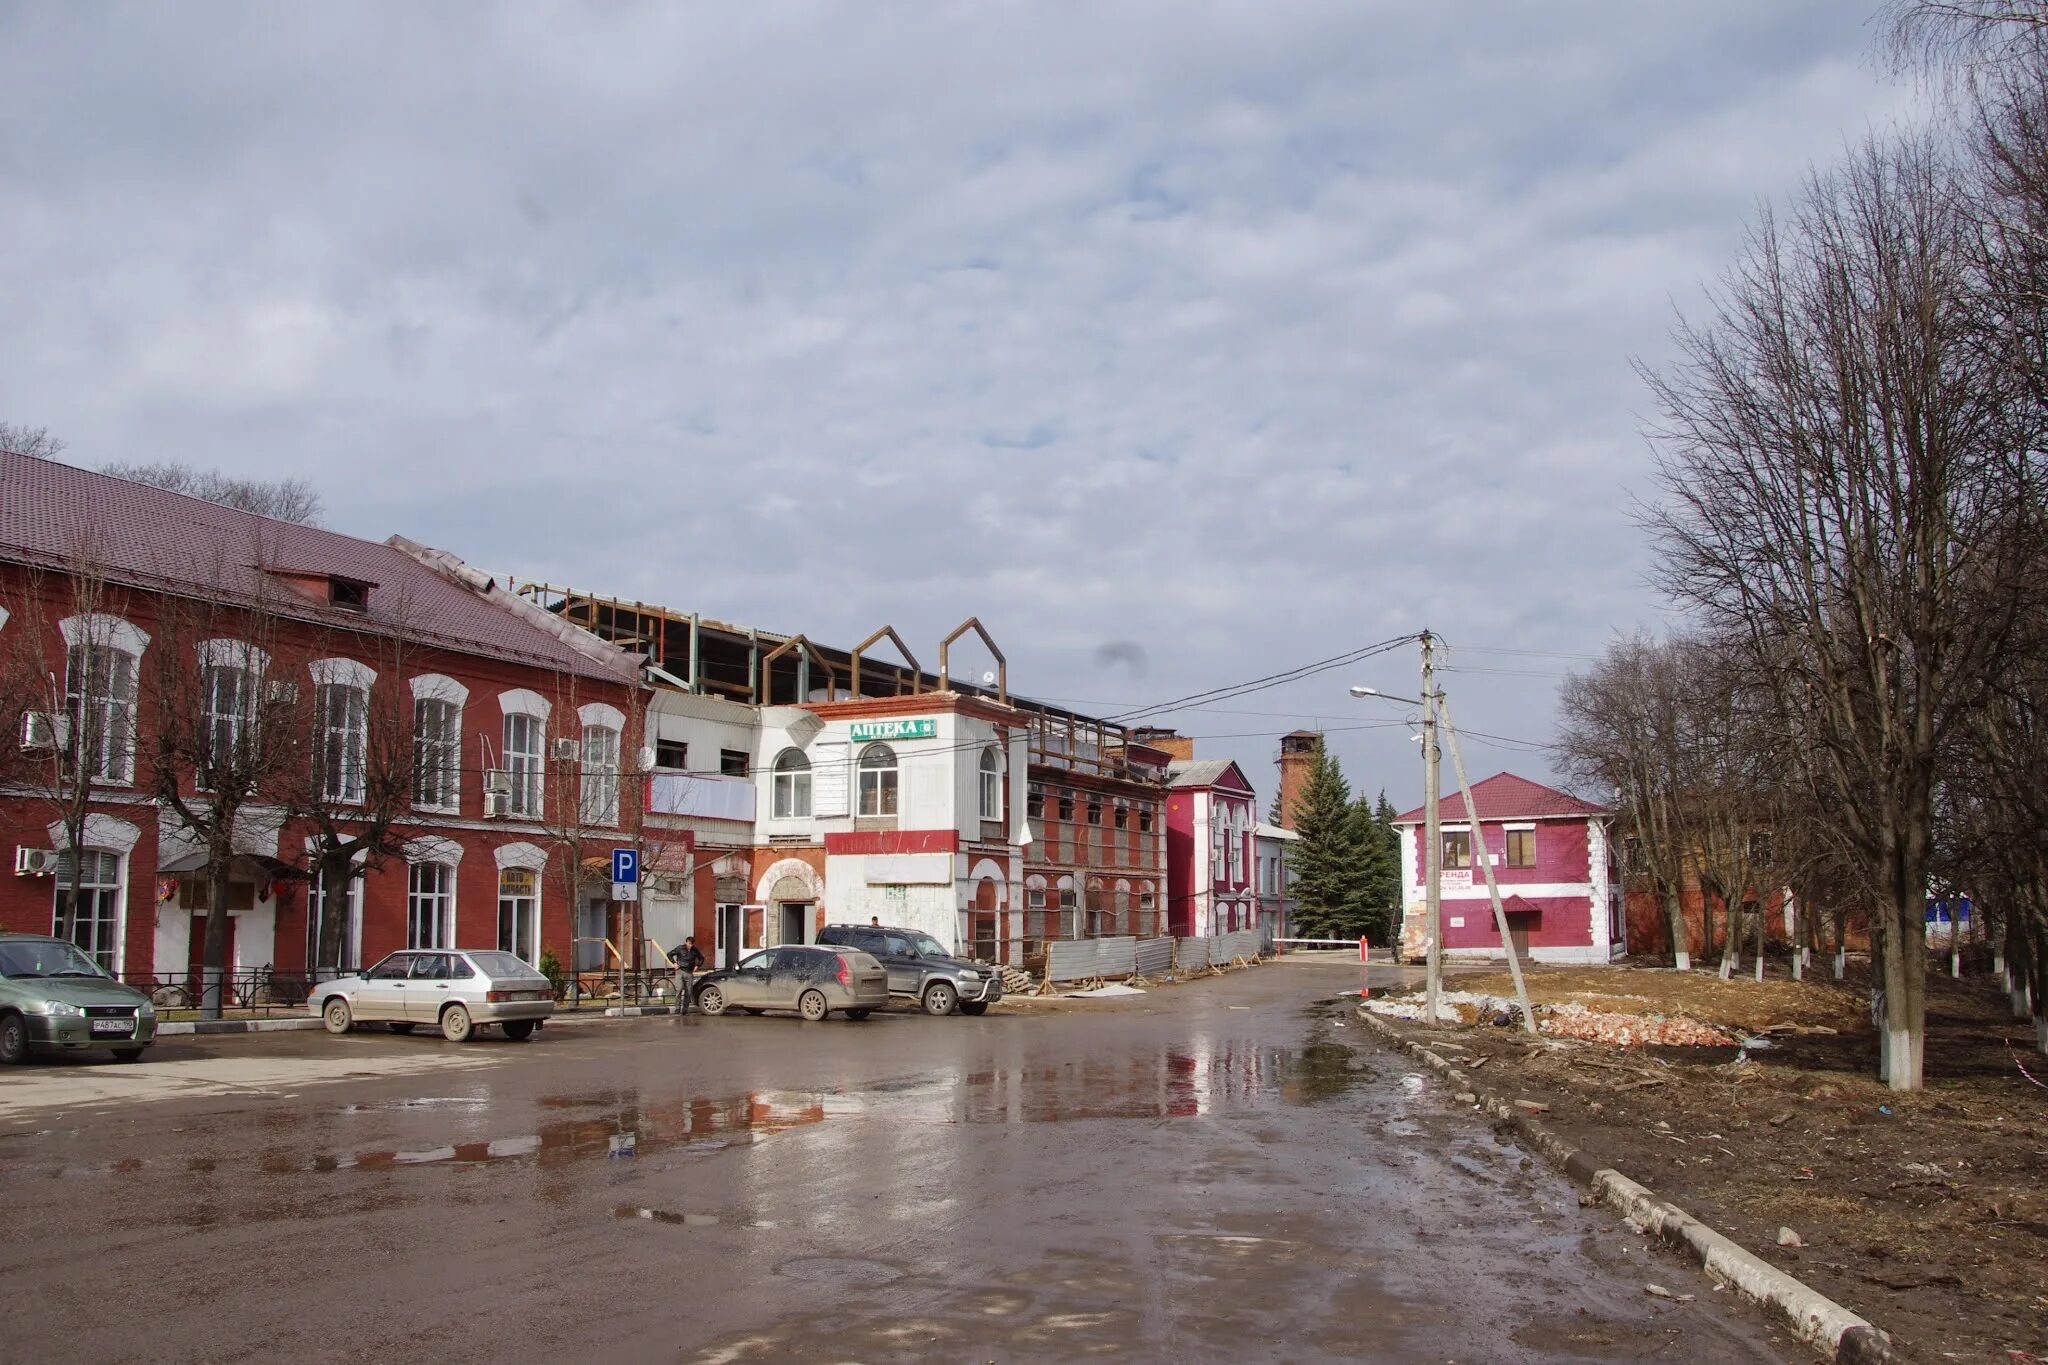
x: 518, y: 1030
x: 455, y: 1024
x: 338, y: 1016
x: 811, y: 1005
x: 711, y: 1000
x: 127, y: 1054
x: 858, y: 1014
x: 399, y: 1026
x: 974, y: 1007
x: 940, y: 999
x: 13, y: 1040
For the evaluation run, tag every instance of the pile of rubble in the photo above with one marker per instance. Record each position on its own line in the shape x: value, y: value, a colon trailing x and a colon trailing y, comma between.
x: 1569, y: 1020
x: 1574, y: 1020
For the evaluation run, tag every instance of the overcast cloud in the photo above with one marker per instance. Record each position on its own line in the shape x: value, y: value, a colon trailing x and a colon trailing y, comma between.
x: 1180, y: 344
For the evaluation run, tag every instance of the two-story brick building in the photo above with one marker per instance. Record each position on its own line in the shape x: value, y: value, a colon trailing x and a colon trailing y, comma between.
x: 517, y: 734
x: 1551, y: 857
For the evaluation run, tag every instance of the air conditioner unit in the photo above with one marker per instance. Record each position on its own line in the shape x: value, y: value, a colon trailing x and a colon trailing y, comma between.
x: 45, y: 730
x: 497, y: 782
x: 35, y: 862
x: 565, y: 751
x: 497, y: 805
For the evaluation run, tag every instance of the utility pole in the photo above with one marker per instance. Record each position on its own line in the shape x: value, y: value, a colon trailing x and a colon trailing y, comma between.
x: 1432, y: 839
x: 1485, y: 861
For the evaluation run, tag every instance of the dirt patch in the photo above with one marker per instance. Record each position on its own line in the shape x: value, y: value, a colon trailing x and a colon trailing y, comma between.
x: 1927, y: 1213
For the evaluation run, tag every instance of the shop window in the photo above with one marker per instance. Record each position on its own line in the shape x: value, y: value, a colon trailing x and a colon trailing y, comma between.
x: 1457, y: 848
x: 1521, y: 848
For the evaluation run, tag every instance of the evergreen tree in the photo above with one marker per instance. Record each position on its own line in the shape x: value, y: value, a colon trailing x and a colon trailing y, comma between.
x: 1330, y: 860
x: 1383, y: 882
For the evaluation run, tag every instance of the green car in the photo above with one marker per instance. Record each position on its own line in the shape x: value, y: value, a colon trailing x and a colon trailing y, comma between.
x: 53, y: 998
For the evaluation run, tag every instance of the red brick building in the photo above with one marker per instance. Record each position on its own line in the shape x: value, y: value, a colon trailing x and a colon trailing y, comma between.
x: 522, y: 730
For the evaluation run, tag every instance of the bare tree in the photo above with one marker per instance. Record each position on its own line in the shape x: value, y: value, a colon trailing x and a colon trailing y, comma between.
x: 288, y: 499
x: 373, y: 747
x: 1624, y: 738
x: 26, y: 440
x: 1829, y: 441
x: 226, y: 733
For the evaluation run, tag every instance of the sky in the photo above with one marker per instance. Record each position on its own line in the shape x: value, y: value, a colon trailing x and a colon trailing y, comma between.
x: 1181, y: 344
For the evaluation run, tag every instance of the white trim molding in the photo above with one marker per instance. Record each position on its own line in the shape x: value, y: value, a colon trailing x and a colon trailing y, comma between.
x: 439, y: 687
x: 988, y: 870
x: 524, y: 701
x: 598, y: 713
x: 101, y: 832
x: 233, y: 654
x: 346, y: 672
x: 432, y: 848
x: 789, y: 867
x: 532, y: 857
x: 104, y: 630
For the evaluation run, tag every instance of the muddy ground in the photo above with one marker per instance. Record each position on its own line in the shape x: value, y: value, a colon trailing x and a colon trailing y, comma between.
x: 1927, y: 1213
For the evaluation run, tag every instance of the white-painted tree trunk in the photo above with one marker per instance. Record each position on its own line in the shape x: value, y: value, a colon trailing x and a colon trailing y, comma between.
x: 2022, y: 1000
x: 2041, y: 1033
x: 1955, y: 963
x: 1901, y: 1059
x: 1759, y: 967
x: 1684, y: 960
x: 1841, y: 965
x: 1798, y: 963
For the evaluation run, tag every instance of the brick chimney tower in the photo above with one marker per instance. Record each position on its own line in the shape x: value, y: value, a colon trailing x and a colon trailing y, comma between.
x: 1297, y: 757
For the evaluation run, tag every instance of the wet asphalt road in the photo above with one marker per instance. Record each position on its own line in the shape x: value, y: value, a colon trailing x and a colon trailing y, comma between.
x: 1212, y: 1171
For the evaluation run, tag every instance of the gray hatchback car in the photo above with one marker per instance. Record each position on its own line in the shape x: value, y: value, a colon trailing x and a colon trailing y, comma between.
x: 54, y: 998
x: 812, y: 980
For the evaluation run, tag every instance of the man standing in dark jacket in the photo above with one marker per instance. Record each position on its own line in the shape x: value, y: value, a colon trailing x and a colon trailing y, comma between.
x: 688, y: 962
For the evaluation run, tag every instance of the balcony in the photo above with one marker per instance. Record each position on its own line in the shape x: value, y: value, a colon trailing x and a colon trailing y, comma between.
x: 704, y: 796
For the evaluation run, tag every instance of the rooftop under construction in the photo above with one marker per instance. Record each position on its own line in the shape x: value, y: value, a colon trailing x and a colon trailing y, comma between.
x: 697, y: 654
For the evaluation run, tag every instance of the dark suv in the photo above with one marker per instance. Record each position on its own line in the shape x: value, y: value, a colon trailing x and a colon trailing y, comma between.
x: 921, y: 969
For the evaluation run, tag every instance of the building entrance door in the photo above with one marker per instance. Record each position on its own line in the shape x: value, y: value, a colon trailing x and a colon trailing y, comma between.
x: 730, y: 918
x: 793, y: 919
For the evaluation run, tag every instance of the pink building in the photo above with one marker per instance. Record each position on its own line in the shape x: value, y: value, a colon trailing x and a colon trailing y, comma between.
x: 1551, y: 856
x: 1209, y: 870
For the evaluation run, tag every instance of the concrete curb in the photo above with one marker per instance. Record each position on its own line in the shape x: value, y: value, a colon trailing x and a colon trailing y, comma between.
x: 180, y: 1027
x: 1821, y: 1322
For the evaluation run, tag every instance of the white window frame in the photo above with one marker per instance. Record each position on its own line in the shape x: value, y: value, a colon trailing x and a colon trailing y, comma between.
x: 344, y: 747
x: 525, y: 762
x: 884, y: 782
x: 106, y: 898
x: 989, y: 776
x: 790, y: 786
x: 509, y: 935
x: 432, y: 903
x: 219, y: 660
x: 598, y: 791
x: 110, y: 737
x: 437, y: 755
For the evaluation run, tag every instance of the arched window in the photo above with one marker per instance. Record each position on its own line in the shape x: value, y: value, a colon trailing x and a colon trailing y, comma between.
x: 437, y: 702
x: 792, y: 785
x: 96, y: 918
x: 230, y: 671
x: 99, y: 693
x: 991, y: 784
x: 878, y: 781
x: 341, y: 699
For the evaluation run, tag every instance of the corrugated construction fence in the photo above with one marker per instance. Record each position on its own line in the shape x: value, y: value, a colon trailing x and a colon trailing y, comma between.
x: 1090, y: 959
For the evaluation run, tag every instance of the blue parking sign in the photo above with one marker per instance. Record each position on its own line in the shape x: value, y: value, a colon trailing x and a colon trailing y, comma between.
x: 625, y: 865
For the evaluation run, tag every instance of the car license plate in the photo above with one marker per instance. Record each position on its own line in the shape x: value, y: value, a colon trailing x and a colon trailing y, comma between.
x: 123, y: 1027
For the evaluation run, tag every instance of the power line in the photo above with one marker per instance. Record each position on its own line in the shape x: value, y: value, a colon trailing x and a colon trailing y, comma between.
x: 1271, y: 680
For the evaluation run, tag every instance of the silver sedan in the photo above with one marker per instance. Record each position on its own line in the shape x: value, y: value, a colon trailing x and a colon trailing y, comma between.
x: 454, y: 990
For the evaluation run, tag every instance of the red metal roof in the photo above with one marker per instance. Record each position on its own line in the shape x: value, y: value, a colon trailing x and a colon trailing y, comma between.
x: 52, y: 515
x: 1507, y: 797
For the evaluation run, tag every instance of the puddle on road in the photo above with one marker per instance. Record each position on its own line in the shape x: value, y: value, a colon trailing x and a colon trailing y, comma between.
x: 1180, y: 1083
x: 1194, y: 1079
